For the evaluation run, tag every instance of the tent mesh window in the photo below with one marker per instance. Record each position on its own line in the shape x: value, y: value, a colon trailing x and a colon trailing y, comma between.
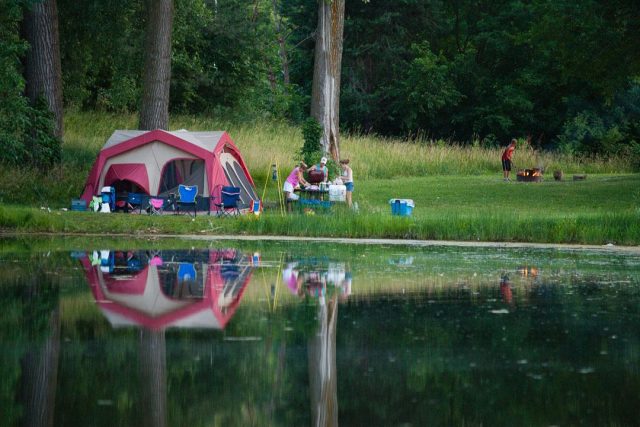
x: 237, y: 178
x: 181, y: 171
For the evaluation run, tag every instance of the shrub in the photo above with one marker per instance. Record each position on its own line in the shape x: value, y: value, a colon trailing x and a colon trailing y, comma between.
x: 311, y: 133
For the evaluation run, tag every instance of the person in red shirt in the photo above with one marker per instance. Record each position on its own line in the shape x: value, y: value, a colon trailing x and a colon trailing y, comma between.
x: 506, y: 159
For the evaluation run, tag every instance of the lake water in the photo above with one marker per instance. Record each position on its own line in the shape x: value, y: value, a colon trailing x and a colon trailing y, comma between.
x: 296, y: 334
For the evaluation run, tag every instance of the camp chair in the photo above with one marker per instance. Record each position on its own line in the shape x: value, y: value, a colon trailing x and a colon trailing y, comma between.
x: 134, y: 264
x: 134, y: 201
x: 156, y: 206
x: 229, y: 198
x: 188, y: 285
x: 187, y: 197
x: 107, y: 261
x: 105, y: 205
x: 108, y: 194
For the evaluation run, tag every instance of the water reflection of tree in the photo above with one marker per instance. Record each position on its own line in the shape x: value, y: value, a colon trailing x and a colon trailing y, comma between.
x: 31, y: 324
x: 152, y: 364
x: 324, y: 282
x: 322, y: 365
x: 39, y: 375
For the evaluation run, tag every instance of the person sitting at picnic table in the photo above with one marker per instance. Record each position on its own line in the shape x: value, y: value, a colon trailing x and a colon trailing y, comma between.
x: 293, y: 181
x: 322, y: 167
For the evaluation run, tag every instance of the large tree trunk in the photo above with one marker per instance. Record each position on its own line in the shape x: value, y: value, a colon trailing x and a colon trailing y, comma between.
x: 154, y: 111
x: 42, y: 63
x: 325, y: 97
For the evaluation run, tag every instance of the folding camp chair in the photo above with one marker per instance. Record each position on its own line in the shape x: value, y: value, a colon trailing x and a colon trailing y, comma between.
x: 105, y: 205
x: 188, y: 284
x: 229, y: 198
x: 187, y: 197
x: 134, y: 201
x: 186, y: 272
x: 108, y: 194
x: 156, y: 206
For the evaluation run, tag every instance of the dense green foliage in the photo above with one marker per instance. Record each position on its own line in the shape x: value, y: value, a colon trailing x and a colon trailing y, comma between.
x: 490, y: 70
x: 563, y: 74
x: 26, y: 131
x: 223, y: 53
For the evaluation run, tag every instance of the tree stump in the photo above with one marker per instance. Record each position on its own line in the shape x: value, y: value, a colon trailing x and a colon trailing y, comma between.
x: 557, y: 175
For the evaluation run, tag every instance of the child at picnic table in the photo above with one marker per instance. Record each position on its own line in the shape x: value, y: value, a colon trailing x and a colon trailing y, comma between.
x: 347, y: 178
x: 293, y: 181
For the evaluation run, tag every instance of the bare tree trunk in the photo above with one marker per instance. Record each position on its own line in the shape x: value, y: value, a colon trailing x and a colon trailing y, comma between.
x: 153, y: 372
x: 154, y: 111
x: 42, y: 63
x: 325, y: 96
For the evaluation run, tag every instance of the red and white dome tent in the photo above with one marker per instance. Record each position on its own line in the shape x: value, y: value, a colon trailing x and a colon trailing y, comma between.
x: 156, y: 162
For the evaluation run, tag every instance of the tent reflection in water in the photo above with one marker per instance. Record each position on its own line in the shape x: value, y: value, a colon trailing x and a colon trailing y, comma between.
x: 180, y: 289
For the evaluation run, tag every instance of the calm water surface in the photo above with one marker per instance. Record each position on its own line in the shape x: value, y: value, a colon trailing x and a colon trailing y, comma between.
x: 295, y: 334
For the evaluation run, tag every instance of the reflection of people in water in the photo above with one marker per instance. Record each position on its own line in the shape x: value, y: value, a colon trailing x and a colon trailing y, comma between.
x: 317, y: 280
x: 292, y: 278
x: 505, y: 289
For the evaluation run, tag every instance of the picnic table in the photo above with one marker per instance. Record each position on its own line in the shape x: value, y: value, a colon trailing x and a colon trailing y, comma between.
x: 312, y: 193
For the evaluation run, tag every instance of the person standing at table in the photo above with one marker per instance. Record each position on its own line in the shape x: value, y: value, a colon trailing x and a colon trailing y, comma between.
x: 322, y: 167
x: 295, y: 179
x: 347, y: 179
x: 506, y: 159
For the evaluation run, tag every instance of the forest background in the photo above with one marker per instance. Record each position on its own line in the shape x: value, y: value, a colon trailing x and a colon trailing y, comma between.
x: 565, y: 74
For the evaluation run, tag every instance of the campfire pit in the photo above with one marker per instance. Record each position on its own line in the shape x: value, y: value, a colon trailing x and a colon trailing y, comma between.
x: 530, y: 175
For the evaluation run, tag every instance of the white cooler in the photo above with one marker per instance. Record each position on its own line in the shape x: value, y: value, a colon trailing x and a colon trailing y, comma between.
x: 337, y: 193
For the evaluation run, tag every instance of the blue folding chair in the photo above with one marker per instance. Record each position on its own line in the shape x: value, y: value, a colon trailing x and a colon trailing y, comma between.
x: 229, y: 198
x: 186, y: 272
x: 134, y: 201
x: 188, y: 284
x: 187, y: 197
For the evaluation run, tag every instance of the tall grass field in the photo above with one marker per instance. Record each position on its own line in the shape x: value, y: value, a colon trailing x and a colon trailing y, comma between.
x: 457, y: 190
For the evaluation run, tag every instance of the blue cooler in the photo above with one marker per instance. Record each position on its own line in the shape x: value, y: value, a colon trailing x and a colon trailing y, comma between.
x: 78, y: 205
x: 401, y: 207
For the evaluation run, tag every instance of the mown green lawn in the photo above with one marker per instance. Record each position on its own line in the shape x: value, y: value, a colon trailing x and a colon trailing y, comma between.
x: 604, y: 209
x: 455, y: 195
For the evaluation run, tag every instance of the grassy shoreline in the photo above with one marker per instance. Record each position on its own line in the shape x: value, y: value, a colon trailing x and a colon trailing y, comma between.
x: 491, y: 220
x: 458, y: 191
